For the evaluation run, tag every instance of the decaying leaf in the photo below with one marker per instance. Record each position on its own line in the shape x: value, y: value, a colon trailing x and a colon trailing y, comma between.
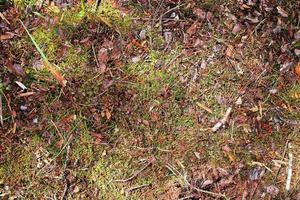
x: 297, y: 69
x: 229, y: 51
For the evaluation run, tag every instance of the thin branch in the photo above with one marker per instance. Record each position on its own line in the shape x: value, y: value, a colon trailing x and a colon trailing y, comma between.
x: 290, y: 169
x: 134, y: 175
x: 127, y: 191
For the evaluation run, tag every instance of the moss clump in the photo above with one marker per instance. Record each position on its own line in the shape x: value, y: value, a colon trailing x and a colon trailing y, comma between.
x: 106, y: 170
x: 19, y: 169
x: 48, y: 40
x: 24, y: 3
x: 74, y: 60
x: 151, y: 79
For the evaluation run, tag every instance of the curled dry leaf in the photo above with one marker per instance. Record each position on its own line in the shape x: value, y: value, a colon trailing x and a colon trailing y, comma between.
x: 15, y: 69
x: 103, y: 56
x: 237, y: 28
x: 229, y: 51
x: 200, y: 13
x: 193, y: 28
x: 297, y: 69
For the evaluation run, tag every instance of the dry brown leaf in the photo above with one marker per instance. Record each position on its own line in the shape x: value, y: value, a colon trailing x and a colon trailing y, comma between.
x: 6, y: 36
x: 192, y: 30
x: 229, y: 51
x: 103, y: 56
x: 56, y: 74
x: 297, y: 69
x: 15, y: 69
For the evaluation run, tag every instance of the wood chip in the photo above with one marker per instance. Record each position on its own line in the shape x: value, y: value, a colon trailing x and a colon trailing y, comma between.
x: 26, y: 94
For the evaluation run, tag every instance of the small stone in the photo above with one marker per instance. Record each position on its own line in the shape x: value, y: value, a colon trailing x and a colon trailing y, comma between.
x: 272, y: 190
x: 142, y: 34
x: 168, y: 36
x: 256, y: 173
x: 239, y: 101
x: 297, y: 52
x: 273, y: 91
x: 35, y: 120
x: 203, y: 64
x: 23, y: 108
x: 76, y: 189
x: 237, y: 28
x: 136, y: 59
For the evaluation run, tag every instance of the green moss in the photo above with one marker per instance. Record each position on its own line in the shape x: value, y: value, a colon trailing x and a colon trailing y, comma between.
x: 113, y: 16
x: 19, y: 169
x: 24, y: 3
x: 48, y: 40
x: 83, y: 148
x: 73, y: 16
x: 74, y: 60
x: 153, y: 80
x: 105, y: 171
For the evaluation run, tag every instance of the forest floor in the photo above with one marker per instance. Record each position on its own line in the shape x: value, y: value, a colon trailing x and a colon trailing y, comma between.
x: 137, y: 99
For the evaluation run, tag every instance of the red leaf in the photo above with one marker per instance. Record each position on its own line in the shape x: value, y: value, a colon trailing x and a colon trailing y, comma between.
x: 103, y: 56
x: 192, y: 30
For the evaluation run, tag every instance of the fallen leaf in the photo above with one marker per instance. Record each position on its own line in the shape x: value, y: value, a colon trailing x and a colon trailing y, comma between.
x: 193, y: 28
x: 108, y: 115
x: 200, y: 13
x: 237, y: 28
x: 229, y: 51
x: 272, y: 190
x: 6, y: 36
x: 15, y: 69
x: 103, y: 56
x: 297, y: 69
x: 98, y: 137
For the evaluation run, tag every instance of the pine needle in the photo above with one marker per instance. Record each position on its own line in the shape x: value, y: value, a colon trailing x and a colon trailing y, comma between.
x: 47, y: 64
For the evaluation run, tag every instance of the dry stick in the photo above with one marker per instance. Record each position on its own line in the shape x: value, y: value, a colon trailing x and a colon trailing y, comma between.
x: 67, y: 143
x: 283, y: 156
x: 3, y: 17
x: 127, y: 191
x: 176, y: 172
x: 94, y: 52
x: 64, y: 176
x: 290, y: 170
x: 220, y: 123
x: 59, y: 133
x: 134, y: 175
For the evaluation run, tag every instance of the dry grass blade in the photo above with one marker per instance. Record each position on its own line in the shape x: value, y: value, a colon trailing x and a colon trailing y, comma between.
x: 47, y: 64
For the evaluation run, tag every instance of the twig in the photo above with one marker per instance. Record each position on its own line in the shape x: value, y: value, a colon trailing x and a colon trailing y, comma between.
x: 3, y: 17
x: 187, y: 197
x: 218, y: 125
x: 208, y: 192
x: 283, y: 156
x: 63, y: 197
x: 135, y: 174
x: 67, y: 143
x: 184, y: 177
x: 94, y: 52
x: 97, y: 4
x: 59, y: 133
x: 290, y: 170
x: 127, y: 191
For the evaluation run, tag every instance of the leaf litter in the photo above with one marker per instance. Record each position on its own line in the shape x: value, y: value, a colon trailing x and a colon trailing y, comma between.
x: 203, y: 94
